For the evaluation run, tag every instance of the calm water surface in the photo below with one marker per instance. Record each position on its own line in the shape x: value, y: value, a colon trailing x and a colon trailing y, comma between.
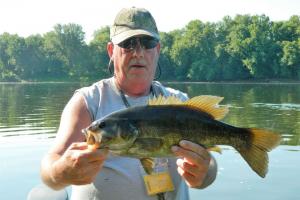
x: 30, y: 114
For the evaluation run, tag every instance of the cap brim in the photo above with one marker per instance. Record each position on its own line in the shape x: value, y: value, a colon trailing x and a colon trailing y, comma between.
x: 131, y: 33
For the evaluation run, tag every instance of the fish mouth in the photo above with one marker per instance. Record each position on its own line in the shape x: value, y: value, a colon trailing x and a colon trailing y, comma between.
x: 84, y: 131
x: 101, y: 141
x: 92, y: 138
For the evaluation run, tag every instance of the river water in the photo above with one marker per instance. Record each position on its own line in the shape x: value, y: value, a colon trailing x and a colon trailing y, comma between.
x: 30, y: 114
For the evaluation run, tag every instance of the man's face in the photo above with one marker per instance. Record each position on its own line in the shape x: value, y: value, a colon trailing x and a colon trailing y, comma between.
x: 135, y: 61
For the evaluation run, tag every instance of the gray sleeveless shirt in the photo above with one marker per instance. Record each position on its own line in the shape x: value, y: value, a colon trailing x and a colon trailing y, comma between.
x: 122, y: 177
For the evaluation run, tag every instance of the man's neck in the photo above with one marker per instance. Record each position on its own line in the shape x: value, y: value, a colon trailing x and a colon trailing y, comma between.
x: 133, y: 89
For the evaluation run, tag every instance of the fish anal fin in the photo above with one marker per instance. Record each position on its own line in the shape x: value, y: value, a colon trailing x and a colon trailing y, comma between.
x: 256, y: 154
x: 208, y: 104
x: 215, y: 149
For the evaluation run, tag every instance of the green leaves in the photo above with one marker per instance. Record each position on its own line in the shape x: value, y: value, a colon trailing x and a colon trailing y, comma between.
x: 243, y: 47
x: 234, y: 49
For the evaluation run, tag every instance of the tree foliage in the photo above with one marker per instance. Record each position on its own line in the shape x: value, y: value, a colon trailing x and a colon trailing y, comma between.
x: 240, y: 48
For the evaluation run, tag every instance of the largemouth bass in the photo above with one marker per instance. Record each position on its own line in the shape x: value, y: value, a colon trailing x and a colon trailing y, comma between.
x: 151, y: 130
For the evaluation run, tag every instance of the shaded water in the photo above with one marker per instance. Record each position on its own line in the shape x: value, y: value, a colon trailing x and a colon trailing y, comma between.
x: 30, y: 114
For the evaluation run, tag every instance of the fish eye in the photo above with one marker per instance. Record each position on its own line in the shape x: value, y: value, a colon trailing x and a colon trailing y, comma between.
x: 101, y: 125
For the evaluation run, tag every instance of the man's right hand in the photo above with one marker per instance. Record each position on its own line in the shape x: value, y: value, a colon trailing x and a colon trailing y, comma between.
x: 78, y: 165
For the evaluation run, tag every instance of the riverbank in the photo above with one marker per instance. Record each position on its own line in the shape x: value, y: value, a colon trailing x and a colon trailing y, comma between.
x: 262, y: 81
x: 266, y: 81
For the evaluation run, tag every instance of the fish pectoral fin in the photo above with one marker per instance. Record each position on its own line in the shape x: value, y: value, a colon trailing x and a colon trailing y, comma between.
x: 148, y: 164
x: 149, y: 144
x: 215, y: 149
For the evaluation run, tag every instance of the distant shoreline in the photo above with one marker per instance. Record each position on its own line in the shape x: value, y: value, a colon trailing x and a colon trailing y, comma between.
x: 236, y: 82
x: 169, y: 82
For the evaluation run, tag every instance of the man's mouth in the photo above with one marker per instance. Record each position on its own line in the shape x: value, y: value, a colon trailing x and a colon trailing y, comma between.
x: 137, y: 66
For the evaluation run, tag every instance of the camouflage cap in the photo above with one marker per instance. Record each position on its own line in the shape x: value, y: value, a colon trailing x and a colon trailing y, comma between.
x: 133, y: 21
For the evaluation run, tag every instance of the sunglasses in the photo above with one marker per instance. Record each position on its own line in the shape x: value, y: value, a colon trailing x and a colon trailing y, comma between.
x: 146, y: 42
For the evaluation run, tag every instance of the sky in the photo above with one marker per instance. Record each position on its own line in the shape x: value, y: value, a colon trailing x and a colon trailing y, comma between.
x: 29, y: 17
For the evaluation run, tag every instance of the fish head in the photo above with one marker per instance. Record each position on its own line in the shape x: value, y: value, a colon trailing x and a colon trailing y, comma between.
x: 116, y: 134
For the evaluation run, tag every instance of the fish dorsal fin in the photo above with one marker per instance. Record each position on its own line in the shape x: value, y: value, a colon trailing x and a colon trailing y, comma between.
x: 203, y: 103
x: 208, y: 104
x: 161, y: 100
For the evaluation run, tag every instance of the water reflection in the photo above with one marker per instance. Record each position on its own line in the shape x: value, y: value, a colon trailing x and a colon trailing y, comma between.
x: 29, y: 112
x: 283, y: 106
x: 270, y: 106
x: 32, y: 109
x: 29, y: 109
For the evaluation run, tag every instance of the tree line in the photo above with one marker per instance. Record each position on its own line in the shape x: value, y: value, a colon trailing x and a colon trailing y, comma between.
x: 241, y: 48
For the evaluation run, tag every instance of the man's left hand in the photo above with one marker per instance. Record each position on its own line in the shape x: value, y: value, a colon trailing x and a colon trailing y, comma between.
x: 193, y: 162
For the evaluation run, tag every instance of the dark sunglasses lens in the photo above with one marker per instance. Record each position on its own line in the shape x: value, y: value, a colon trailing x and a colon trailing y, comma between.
x: 148, y: 42
x: 128, y: 44
x: 145, y: 42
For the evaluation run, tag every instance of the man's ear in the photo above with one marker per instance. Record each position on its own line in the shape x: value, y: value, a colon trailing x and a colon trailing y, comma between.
x: 158, y: 48
x: 110, y: 49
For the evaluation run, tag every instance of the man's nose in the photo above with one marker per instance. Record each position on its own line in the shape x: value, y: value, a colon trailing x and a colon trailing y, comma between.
x: 138, y: 49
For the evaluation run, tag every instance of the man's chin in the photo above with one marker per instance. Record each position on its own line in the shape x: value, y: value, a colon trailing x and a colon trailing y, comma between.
x: 138, y: 76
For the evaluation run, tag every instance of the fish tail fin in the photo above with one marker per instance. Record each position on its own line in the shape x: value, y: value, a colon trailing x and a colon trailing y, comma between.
x: 256, y: 153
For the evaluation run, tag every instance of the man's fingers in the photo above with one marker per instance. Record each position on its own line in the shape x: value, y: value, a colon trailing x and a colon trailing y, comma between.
x: 187, y: 167
x: 98, y: 155
x: 200, y: 150
x: 190, y: 179
x: 82, y: 152
x: 192, y: 152
x: 78, y: 146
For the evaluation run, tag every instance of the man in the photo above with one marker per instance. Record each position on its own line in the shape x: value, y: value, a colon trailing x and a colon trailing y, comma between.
x: 95, y: 174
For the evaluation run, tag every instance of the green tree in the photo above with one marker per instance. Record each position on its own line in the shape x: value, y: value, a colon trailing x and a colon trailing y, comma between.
x: 193, y: 52
x: 240, y: 48
x: 291, y: 58
x: 98, y: 54
x: 260, y: 48
x: 66, y: 51
x: 166, y: 62
x: 34, y: 59
x: 55, y: 60
x: 11, y: 51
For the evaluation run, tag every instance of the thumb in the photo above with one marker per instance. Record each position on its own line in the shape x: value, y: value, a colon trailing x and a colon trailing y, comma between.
x: 78, y: 146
